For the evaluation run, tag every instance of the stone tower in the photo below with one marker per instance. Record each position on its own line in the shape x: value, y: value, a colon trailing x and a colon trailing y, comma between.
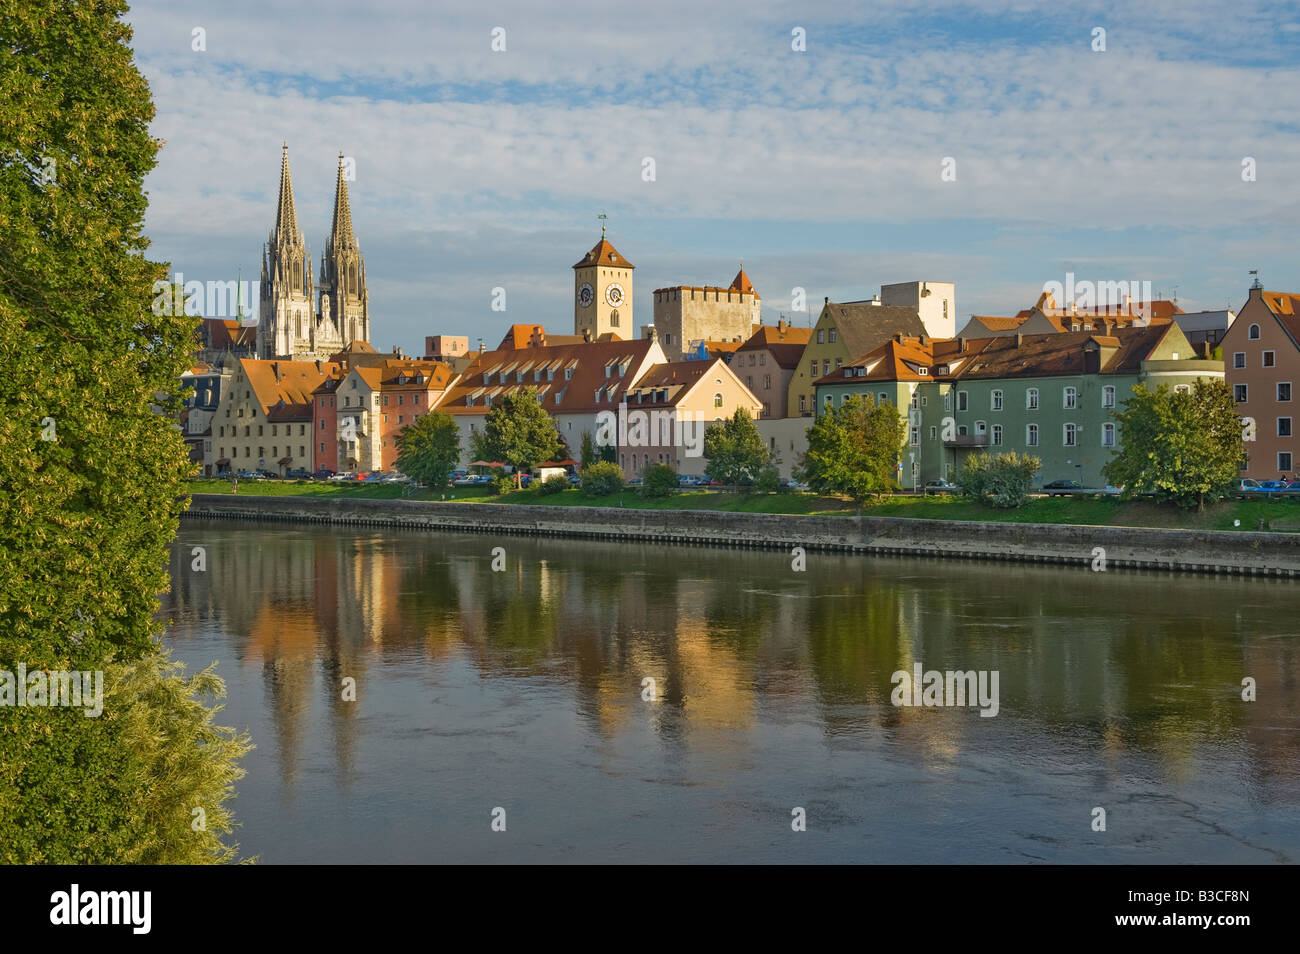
x: 343, y: 272
x: 602, y: 293
x: 286, y: 310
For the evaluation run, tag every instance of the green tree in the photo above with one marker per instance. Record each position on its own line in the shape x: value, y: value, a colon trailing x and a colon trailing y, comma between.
x: 428, y: 449
x: 93, y: 469
x: 519, y: 432
x: 588, y: 450
x: 1180, y: 447
x: 853, y: 449
x: 735, y: 449
x: 998, y: 480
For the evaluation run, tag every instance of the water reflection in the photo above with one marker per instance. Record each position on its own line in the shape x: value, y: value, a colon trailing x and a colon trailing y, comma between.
x: 1115, y: 685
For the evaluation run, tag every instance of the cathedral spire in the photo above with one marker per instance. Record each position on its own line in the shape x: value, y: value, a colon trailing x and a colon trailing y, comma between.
x: 286, y: 218
x: 341, y: 232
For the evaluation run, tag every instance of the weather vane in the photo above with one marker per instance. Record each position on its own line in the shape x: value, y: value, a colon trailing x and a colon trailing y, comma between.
x: 602, y: 218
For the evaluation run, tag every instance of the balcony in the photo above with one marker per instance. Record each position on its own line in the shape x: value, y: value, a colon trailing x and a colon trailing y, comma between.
x: 967, y: 440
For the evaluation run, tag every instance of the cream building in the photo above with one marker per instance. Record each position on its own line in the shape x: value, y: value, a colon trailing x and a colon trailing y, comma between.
x: 264, y: 419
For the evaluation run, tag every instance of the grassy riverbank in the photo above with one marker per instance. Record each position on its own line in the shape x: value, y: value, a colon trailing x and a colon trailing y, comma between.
x: 1277, y: 515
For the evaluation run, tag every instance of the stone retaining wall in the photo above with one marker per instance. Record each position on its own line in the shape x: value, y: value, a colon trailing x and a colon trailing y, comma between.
x: 1207, y: 551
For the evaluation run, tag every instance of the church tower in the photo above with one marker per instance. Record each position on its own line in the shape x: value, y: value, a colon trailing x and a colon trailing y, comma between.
x: 602, y: 293
x: 344, y: 299
x: 285, y: 314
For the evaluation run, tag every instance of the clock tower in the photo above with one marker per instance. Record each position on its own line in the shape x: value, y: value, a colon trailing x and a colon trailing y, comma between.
x: 602, y: 293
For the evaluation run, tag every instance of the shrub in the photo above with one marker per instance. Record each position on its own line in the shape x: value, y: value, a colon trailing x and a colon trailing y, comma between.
x: 660, y: 480
x: 503, y: 485
x: 998, y: 480
x: 602, y: 479
x: 553, y: 484
x: 768, y: 480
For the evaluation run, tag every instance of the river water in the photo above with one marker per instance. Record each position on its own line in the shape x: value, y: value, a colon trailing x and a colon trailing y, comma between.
x: 518, y: 697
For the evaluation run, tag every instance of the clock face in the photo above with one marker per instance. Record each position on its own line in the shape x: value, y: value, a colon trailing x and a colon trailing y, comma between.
x: 614, y: 295
x: 586, y: 294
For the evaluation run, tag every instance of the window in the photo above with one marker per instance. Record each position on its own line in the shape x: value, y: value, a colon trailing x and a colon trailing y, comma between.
x: 924, y: 401
x: 821, y: 336
x: 830, y: 400
x: 1239, y: 359
x: 322, y: 447
x: 1070, y: 437
x: 1070, y: 398
x: 717, y: 400
x: 812, y: 370
x: 803, y: 403
x: 762, y: 359
x: 1268, y: 359
x: 259, y: 430
x: 1108, y: 396
x: 839, y: 363
x: 1239, y: 392
x: 1284, y: 427
x: 981, y: 427
x: 1284, y: 461
x: 1031, y: 399
x: 1108, y: 435
x: 1284, y: 390
x: 1254, y: 333
x: 767, y: 382
x: 914, y: 436
x: 947, y: 401
x: 749, y: 381
x: 752, y: 359
x: 884, y: 397
x: 995, y: 401
x: 826, y: 366
x: 767, y: 409
x: 912, y: 403
x: 1182, y: 389
x: 997, y: 435
x: 933, y: 432
x: 1031, y: 435
x: 961, y: 400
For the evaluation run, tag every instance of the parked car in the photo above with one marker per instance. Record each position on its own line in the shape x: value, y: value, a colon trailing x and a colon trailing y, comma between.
x: 323, y: 474
x: 298, y: 473
x: 1246, y: 485
x: 797, y: 485
x: 1058, y: 487
x: 575, y: 480
x: 471, y: 480
x: 339, y: 477
x: 634, y: 482
x: 1271, y: 486
x: 246, y: 475
x: 940, y: 486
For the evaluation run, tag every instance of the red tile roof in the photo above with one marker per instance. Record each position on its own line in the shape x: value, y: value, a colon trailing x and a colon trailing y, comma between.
x: 602, y: 253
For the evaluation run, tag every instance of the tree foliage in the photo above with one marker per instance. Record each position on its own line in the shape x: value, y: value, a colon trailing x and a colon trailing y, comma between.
x: 601, y: 479
x: 428, y: 449
x: 735, y: 449
x: 92, y: 474
x: 853, y: 449
x: 659, y: 480
x: 998, y: 480
x: 1180, y: 447
x: 519, y: 432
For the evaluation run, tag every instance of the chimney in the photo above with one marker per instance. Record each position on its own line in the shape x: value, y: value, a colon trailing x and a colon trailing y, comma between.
x: 875, y: 300
x: 920, y: 339
x: 899, y: 337
x: 780, y: 328
x: 275, y: 369
x: 961, y: 345
x: 586, y: 335
x: 1020, y: 339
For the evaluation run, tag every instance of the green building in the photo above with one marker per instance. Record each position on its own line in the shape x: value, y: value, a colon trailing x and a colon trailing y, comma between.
x: 1050, y: 395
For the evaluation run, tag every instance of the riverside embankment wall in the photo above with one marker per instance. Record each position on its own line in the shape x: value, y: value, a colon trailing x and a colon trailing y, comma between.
x: 1204, y: 551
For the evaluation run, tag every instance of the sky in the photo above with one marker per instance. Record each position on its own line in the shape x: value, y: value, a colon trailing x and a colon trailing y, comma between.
x: 818, y: 168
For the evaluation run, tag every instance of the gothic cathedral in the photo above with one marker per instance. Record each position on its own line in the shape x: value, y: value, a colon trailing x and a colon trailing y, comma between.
x: 293, y: 322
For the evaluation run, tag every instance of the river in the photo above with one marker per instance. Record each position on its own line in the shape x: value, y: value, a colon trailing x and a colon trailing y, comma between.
x: 517, y: 698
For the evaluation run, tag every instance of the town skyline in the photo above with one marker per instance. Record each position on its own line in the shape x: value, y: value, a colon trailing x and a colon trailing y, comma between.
x: 818, y: 169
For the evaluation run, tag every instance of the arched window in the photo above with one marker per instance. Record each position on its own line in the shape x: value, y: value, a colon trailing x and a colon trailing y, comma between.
x: 1031, y: 435
x: 717, y: 400
x: 1254, y: 332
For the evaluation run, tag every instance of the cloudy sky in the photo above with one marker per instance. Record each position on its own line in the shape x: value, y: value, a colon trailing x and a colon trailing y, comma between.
x: 819, y: 169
